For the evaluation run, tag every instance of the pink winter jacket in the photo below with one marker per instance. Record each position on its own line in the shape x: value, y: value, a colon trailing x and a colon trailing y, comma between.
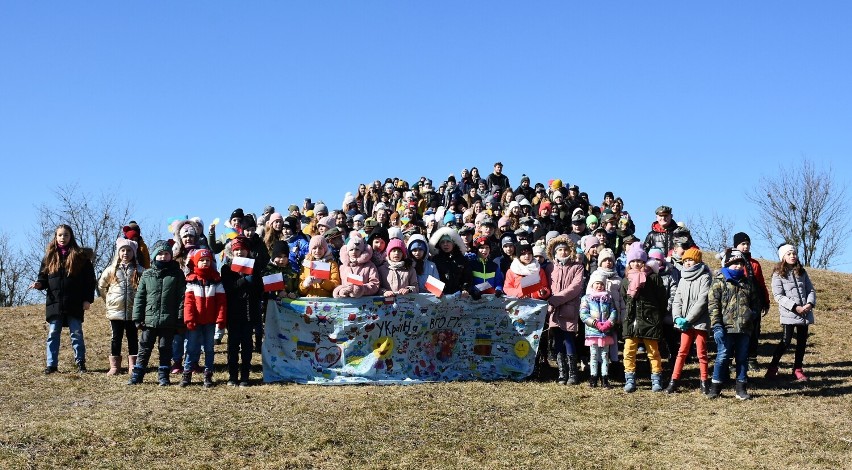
x: 364, y: 267
x: 395, y: 279
x: 566, y: 283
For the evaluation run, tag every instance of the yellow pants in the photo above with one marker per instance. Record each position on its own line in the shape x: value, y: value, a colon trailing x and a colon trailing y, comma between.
x: 651, y: 347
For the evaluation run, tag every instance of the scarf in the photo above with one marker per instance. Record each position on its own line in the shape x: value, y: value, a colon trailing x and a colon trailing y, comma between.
x: 64, y: 250
x: 396, y: 265
x: 522, y: 269
x: 733, y: 275
x: 599, y: 296
x: 562, y: 261
x: 636, y: 279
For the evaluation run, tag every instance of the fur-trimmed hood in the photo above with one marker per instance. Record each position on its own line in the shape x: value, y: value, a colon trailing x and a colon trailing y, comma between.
x: 551, y: 248
x: 454, y: 236
x: 365, y: 257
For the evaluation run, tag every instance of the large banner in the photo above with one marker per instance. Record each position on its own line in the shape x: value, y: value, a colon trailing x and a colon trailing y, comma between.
x: 410, y: 339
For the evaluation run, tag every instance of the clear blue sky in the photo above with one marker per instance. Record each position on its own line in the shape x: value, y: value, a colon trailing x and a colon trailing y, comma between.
x: 200, y: 107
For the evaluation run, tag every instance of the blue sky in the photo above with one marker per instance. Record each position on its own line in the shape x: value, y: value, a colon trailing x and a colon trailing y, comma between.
x: 200, y: 107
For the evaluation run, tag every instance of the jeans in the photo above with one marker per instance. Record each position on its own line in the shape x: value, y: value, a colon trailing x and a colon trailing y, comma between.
x: 200, y: 337
x: 727, y: 343
x: 54, y: 331
x: 599, y: 355
x: 178, y: 347
x: 564, y: 341
x: 120, y: 328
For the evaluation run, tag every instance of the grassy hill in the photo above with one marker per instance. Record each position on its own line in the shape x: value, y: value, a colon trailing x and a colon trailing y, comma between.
x: 95, y: 421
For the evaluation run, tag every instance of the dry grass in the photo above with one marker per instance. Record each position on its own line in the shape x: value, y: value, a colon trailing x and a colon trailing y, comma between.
x: 95, y: 421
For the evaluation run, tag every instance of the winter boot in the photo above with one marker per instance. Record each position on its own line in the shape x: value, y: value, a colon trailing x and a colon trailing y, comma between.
x: 81, y: 367
x: 704, y: 386
x: 715, y: 390
x: 742, y: 393
x: 208, y: 378
x: 656, y: 383
x: 136, y: 375
x: 572, y: 370
x: 50, y: 369
x: 629, y: 382
x: 771, y: 372
x: 163, y: 376
x: 605, y: 382
x: 186, y: 379
x: 672, y: 388
x: 800, y: 375
x: 114, y: 362
x: 593, y: 380
x: 562, y: 363
x: 131, y: 362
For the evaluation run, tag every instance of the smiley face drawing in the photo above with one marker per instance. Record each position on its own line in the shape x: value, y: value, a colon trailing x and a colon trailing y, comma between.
x: 522, y: 348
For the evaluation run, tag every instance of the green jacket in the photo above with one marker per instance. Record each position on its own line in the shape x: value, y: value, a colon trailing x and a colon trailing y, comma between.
x: 645, y: 311
x: 159, y: 297
x: 730, y: 304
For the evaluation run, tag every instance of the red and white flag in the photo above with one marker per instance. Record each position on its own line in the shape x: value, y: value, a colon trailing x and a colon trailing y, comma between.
x: 321, y: 270
x: 273, y: 282
x: 485, y: 288
x: 242, y: 265
x: 530, y: 283
x: 435, y: 286
x: 355, y: 279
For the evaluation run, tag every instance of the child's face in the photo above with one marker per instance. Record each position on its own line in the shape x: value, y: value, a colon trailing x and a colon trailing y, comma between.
x: 242, y: 253
x: 745, y: 246
x: 607, y: 263
x: 561, y: 251
x: 593, y: 251
x: 63, y: 236
x: 358, y: 225
x: 446, y: 246
x: 636, y: 264
x: 598, y: 286
x: 277, y: 224
x: 396, y: 255
x: 125, y: 254
x: 688, y: 263
x: 601, y: 237
x: 509, y: 250
x: 593, y: 226
x: 321, y: 229
x: 205, y: 263
x: 483, y: 251
x: 791, y: 257
x: 379, y: 245
x: 187, y: 239
x: 486, y: 230
x: 287, y: 231
x: 317, y: 252
x: 281, y: 261
x: 164, y: 256
x: 249, y: 231
x: 539, y: 258
x: 235, y: 222
x: 526, y: 257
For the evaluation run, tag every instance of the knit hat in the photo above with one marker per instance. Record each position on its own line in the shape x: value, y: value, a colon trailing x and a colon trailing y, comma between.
x: 550, y: 236
x: 544, y: 206
x: 417, y: 241
x: 358, y: 218
x: 523, y: 246
x: 609, y: 194
x: 636, y: 253
x: 555, y: 184
x: 273, y: 217
x: 395, y: 232
x: 121, y: 242
x: 507, y: 239
x: 320, y: 209
x: 293, y: 208
x: 504, y: 221
x: 663, y: 210
x: 396, y: 243
x: 196, y: 255
x: 590, y: 241
x: 487, y: 221
x: 280, y: 248
x: 467, y: 229
x: 356, y: 243
x: 239, y: 243
x: 591, y: 220
x: 131, y: 230
x: 525, y: 178
x: 318, y: 241
x: 291, y: 222
x: 187, y: 229
x: 378, y: 232
x: 734, y: 256
x: 693, y: 253
x: 159, y: 246
x: 238, y: 213
x: 784, y: 249
x: 538, y: 250
x: 606, y: 253
x: 741, y: 237
x: 268, y: 209
x: 656, y: 253
x: 327, y: 221
x: 332, y: 233
x: 248, y: 222
x: 597, y: 276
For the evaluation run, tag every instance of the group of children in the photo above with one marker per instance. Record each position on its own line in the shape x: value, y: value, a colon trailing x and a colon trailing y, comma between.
x: 602, y: 284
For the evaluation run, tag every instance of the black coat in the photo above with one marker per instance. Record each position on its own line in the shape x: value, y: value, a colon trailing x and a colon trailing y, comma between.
x: 244, y: 294
x: 454, y: 270
x: 66, y: 293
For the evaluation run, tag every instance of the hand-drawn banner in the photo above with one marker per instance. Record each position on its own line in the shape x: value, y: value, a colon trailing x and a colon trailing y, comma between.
x: 410, y: 339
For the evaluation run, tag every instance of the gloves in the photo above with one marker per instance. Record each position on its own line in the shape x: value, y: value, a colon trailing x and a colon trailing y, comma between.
x: 190, y: 325
x: 679, y: 322
x: 598, y: 325
x: 605, y: 326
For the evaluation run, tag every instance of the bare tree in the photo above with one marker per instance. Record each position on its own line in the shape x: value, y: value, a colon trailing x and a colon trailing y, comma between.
x: 713, y: 233
x: 806, y: 208
x: 14, y: 282
x: 96, y: 221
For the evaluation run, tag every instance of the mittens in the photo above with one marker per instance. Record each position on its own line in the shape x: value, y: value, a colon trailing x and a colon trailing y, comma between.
x: 605, y: 326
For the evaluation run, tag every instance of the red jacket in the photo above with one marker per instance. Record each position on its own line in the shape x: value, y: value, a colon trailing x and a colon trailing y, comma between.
x: 512, y: 286
x: 762, y: 291
x: 205, y: 302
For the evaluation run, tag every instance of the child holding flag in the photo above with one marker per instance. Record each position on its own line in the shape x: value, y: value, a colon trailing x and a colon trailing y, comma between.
x: 488, y: 278
x: 320, y: 273
x: 397, y: 275
x: 279, y: 277
x: 358, y: 274
x: 243, y: 290
x: 204, y: 309
x: 526, y: 278
x: 455, y: 276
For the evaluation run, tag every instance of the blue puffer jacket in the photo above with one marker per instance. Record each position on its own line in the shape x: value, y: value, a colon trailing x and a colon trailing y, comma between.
x: 600, y: 309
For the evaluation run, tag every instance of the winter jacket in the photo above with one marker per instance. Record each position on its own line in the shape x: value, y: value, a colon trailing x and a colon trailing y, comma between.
x: 512, y: 286
x: 159, y: 297
x: 205, y: 301
x: 566, y: 286
x: 660, y: 237
x: 454, y: 271
x: 364, y: 267
x: 393, y: 279
x: 299, y: 245
x: 793, y: 291
x: 691, y: 297
x: 118, y: 293
x: 243, y: 295
x: 486, y: 271
x: 500, y: 180
x: 142, y: 253
x: 670, y: 277
x: 613, y: 286
x: 645, y: 310
x: 326, y: 286
x: 755, y: 272
x: 597, y: 309
x: 429, y: 269
x: 731, y: 304
x: 66, y: 293
x: 291, y: 277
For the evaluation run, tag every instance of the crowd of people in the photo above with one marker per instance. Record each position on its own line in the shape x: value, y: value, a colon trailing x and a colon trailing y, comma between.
x: 610, y: 294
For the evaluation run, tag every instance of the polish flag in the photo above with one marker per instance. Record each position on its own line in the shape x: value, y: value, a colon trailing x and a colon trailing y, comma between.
x: 321, y: 270
x: 273, y: 282
x: 485, y: 288
x: 435, y: 286
x: 530, y: 283
x: 355, y: 279
x: 242, y: 265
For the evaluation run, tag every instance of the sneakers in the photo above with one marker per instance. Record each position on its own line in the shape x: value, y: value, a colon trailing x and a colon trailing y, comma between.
x: 50, y: 369
x: 800, y: 375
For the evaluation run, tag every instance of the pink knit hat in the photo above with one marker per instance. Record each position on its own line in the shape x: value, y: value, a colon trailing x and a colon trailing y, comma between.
x: 396, y: 243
